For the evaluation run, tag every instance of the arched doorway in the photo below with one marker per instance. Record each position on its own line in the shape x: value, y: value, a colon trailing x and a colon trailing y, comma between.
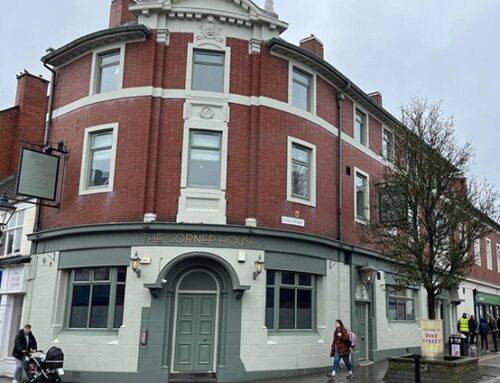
x: 196, y: 316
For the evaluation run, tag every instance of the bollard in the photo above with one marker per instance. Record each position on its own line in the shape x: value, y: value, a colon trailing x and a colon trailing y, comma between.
x: 417, y: 367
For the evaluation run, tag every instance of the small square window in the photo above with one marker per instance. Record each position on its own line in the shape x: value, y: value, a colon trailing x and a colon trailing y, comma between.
x: 208, y: 71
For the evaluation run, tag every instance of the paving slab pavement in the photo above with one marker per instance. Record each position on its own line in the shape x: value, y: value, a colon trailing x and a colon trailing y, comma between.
x: 374, y: 373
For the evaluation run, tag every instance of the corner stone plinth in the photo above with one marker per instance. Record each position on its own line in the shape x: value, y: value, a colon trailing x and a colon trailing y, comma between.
x: 448, y: 369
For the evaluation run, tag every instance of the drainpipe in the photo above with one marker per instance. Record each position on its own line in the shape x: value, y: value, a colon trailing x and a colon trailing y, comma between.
x: 48, y: 123
x: 340, y: 99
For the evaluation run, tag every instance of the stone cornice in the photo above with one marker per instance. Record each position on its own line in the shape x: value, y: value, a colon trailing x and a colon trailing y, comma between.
x: 176, y: 10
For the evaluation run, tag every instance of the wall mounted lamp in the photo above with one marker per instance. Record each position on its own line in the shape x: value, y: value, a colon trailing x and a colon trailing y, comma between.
x: 259, y: 266
x: 135, y: 264
x: 9, y: 210
x: 368, y: 274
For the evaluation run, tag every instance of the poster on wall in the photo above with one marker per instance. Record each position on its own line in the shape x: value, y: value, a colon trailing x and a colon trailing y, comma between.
x: 432, y: 338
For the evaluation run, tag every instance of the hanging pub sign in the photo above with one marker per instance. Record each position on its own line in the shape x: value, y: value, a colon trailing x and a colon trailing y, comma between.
x: 37, y: 175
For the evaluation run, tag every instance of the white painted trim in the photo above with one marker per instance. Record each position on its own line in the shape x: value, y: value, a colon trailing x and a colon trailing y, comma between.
x: 95, y: 59
x: 312, y: 186
x: 217, y: 308
x: 208, y: 46
x: 355, y: 108
x: 84, y: 168
x: 489, y: 255
x: 149, y: 91
x: 356, y: 218
x: 313, y: 90
x: 498, y: 256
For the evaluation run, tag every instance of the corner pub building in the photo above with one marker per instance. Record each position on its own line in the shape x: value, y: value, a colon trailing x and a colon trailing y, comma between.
x: 209, y: 207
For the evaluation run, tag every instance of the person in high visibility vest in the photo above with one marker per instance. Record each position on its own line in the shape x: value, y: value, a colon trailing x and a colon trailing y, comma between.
x: 463, y: 325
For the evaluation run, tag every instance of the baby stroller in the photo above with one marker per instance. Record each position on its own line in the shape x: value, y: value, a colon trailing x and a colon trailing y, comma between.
x: 44, y: 368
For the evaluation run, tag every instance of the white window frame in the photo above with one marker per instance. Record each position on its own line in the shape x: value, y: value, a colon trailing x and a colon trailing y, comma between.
x: 385, y: 154
x: 224, y: 95
x: 312, y: 100
x: 477, y: 251
x: 489, y: 255
x: 94, y: 72
x: 367, y: 124
x: 362, y: 220
x: 15, y: 229
x: 311, y: 201
x: 84, y: 168
x: 498, y: 257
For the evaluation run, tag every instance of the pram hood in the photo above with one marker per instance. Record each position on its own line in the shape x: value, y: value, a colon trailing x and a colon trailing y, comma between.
x: 54, y: 357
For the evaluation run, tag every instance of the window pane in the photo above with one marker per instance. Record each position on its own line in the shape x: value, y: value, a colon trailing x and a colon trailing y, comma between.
x: 300, y: 96
x: 270, y: 307
x: 122, y: 274
x: 300, y: 154
x: 101, y: 274
x: 208, y: 72
x: 287, y: 278
x: 361, y: 196
x: 301, y: 78
x: 18, y: 233
x: 100, y: 167
x: 304, y: 309
x: 205, y: 140
x: 360, y: 128
x: 270, y: 277
x: 9, y: 241
x: 204, y: 165
x: 410, y: 315
x: 79, y: 306
x: 305, y: 279
x: 287, y: 309
x: 120, y: 299
x: 300, y: 180
x: 82, y: 275
x: 100, y: 306
x: 102, y: 140
x: 392, y: 308
x: 109, y: 72
x: 401, y: 309
x: 209, y: 57
x: 19, y: 218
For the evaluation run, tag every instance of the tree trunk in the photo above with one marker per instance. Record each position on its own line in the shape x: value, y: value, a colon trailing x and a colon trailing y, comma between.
x: 431, y: 303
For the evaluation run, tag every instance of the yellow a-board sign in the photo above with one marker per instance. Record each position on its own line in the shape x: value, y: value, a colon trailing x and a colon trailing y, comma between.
x: 432, y: 338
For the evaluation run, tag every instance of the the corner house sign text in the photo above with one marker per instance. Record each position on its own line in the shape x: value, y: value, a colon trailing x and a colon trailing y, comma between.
x: 200, y: 239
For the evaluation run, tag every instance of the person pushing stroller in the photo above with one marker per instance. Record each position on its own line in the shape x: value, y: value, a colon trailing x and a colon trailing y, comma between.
x: 24, y: 343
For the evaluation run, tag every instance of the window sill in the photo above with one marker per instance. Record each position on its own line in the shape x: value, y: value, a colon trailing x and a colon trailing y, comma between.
x: 402, y: 321
x: 95, y: 191
x: 362, y: 221
x: 89, y: 332
x: 301, y: 201
x: 291, y: 333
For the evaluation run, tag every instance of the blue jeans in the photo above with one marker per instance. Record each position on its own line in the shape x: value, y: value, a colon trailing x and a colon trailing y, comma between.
x: 336, y: 361
x: 18, y: 374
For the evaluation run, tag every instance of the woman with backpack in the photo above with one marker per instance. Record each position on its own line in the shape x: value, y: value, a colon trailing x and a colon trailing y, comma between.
x: 341, y: 349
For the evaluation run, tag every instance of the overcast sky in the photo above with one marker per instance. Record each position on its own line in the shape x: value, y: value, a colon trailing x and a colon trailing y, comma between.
x: 446, y: 50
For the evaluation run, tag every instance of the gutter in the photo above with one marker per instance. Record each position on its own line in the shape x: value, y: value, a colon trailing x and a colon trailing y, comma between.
x: 340, y: 100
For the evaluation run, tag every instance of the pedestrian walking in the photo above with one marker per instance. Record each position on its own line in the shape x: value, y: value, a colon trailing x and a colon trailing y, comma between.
x: 25, y: 342
x: 494, y: 331
x: 473, y: 330
x: 484, y: 329
x: 340, y: 349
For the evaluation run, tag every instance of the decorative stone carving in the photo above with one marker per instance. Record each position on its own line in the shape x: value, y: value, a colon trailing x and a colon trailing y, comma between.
x: 206, y: 113
x: 163, y: 36
x: 211, y: 30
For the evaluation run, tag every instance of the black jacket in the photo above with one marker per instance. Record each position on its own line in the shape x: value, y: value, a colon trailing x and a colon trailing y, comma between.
x: 20, y: 344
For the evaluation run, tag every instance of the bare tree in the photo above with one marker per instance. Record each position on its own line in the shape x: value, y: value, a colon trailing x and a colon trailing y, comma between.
x: 429, y: 214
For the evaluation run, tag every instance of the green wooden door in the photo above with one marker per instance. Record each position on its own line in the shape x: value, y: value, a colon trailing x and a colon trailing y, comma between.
x: 194, y: 346
x: 360, y: 330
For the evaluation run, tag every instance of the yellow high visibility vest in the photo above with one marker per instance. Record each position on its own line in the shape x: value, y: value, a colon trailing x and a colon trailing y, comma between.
x: 464, y: 324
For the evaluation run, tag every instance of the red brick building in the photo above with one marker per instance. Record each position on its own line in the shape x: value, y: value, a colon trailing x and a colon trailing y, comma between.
x: 202, y: 147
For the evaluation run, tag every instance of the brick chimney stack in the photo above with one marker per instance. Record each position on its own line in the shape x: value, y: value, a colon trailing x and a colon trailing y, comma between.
x: 376, y: 97
x: 24, y: 122
x: 312, y: 44
x: 119, y: 13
